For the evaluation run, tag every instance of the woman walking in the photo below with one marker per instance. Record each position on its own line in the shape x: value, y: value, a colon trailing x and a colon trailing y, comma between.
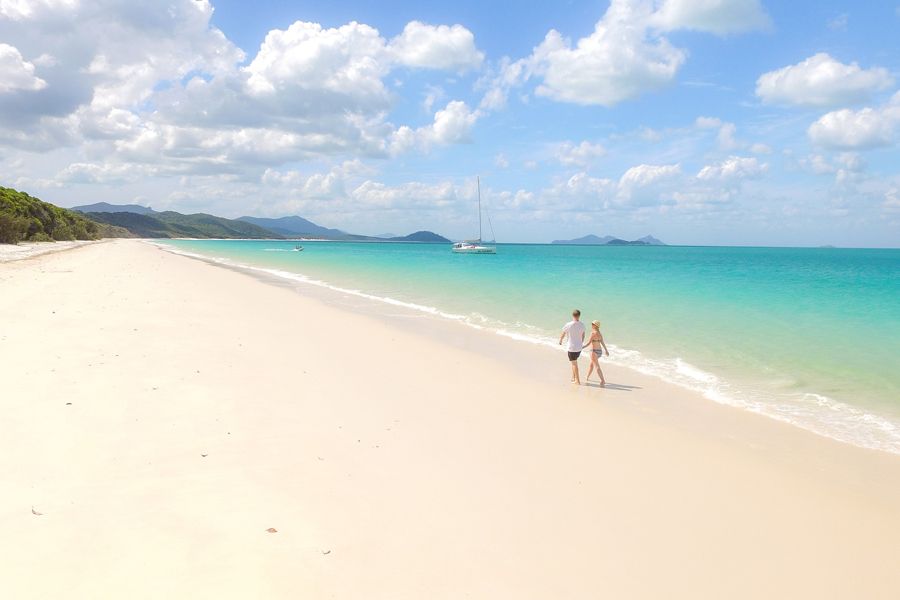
x: 597, y: 347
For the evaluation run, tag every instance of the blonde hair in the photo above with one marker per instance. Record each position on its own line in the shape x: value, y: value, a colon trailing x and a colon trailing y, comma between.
x: 595, y: 324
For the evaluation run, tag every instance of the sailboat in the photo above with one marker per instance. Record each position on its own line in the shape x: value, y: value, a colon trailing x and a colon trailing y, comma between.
x: 475, y: 246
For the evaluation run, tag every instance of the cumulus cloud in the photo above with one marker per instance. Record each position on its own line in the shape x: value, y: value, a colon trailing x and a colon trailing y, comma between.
x: 373, y: 194
x: 167, y: 88
x: 720, y: 17
x: 642, y: 184
x: 436, y: 47
x: 579, y: 155
x: 858, y: 129
x: 821, y: 81
x: 725, y: 138
x: 452, y: 125
x: 102, y: 57
x: 847, y: 167
x: 734, y: 168
x: 626, y: 55
x: 347, y: 61
x: 620, y: 60
x: 106, y: 173
x: 15, y: 72
x: 18, y: 10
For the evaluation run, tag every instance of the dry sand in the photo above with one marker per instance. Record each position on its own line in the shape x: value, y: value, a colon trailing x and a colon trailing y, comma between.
x: 22, y: 250
x: 162, y: 414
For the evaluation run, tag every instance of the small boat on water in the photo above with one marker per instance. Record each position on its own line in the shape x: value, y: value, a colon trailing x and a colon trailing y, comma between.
x: 298, y: 248
x: 475, y: 246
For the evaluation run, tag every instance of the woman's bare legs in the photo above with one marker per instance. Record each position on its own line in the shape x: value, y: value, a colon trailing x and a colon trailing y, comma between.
x: 599, y: 372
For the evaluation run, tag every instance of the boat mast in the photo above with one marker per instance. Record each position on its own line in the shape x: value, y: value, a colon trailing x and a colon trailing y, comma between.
x: 478, y: 183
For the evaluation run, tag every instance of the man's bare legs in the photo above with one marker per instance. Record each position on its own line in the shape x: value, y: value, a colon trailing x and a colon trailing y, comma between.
x: 576, y: 378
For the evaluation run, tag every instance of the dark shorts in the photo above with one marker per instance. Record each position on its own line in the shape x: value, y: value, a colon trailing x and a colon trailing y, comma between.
x: 573, y: 356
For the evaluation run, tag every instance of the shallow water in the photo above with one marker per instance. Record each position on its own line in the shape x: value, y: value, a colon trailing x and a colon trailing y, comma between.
x: 808, y: 336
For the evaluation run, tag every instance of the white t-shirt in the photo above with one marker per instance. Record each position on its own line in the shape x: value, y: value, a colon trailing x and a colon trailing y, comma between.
x: 575, y: 329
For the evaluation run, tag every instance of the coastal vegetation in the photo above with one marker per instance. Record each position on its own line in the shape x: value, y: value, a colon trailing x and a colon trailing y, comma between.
x: 26, y: 218
x: 170, y: 224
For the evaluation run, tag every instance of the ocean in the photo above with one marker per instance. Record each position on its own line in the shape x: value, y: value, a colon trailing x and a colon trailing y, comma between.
x: 808, y: 336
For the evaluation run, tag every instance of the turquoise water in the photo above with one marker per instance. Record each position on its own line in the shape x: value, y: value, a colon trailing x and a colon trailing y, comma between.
x: 808, y: 336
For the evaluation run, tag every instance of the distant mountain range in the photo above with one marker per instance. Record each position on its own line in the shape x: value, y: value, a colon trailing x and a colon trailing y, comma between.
x: 143, y: 221
x: 170, y: 224
x: 107, y: 207
x: 608, y: 240
x: 296, y: 226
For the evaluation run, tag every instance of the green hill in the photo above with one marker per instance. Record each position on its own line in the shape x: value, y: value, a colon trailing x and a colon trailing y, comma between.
x: 25, y: 218
x: 171, y: 224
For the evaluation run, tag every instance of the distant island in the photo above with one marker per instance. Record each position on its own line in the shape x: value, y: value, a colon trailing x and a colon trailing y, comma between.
x: 608, y: 240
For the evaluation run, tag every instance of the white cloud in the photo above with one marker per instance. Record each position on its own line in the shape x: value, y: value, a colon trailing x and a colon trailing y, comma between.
x: 580, y: 155
x: 165, y: 88
x: 720, y: 17
x: 407, y: 196
x: 644, y: 175
x: 820, y: 80
x: 106, y: 173
x: 734, y: 168
x: 643, y: 184
x: 726, y: 135
x: 619, y: 61
x: 625, y: 56
x: 858, y: 129
x: 452, y: 125
x: 19, y: 10
x: 16, y: 73
x: 445, y: 47
x: 347, y: 61
x: 847, y: 167
x: 500, y: 161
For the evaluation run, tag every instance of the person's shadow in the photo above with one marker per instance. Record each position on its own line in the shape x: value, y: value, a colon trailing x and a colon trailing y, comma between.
x: 613, y: 386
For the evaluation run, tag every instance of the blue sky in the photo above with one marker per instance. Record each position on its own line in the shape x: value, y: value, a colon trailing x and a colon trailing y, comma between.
x: 701, y: 121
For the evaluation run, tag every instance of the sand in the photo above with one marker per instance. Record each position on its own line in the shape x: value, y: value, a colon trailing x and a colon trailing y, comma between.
x: 10, y: 252
x: 174, y: 429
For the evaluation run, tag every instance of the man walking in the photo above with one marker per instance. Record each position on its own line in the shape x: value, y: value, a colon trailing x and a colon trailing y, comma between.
x: 575, y: 330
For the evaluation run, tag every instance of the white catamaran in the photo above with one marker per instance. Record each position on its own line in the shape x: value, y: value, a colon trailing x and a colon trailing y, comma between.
x: 476, y: 246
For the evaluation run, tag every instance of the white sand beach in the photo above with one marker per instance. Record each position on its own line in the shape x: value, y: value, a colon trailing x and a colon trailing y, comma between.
x: 22, y: 250
x: 175, y: 429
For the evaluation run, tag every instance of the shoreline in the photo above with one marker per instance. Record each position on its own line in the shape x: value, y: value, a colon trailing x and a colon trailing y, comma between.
x: 395, y: 456
x: 707, y: 387
x: 685, y: 409
x: 26, y: 250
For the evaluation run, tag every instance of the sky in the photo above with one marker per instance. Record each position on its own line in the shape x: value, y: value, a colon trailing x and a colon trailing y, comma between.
x: 711, y: 122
